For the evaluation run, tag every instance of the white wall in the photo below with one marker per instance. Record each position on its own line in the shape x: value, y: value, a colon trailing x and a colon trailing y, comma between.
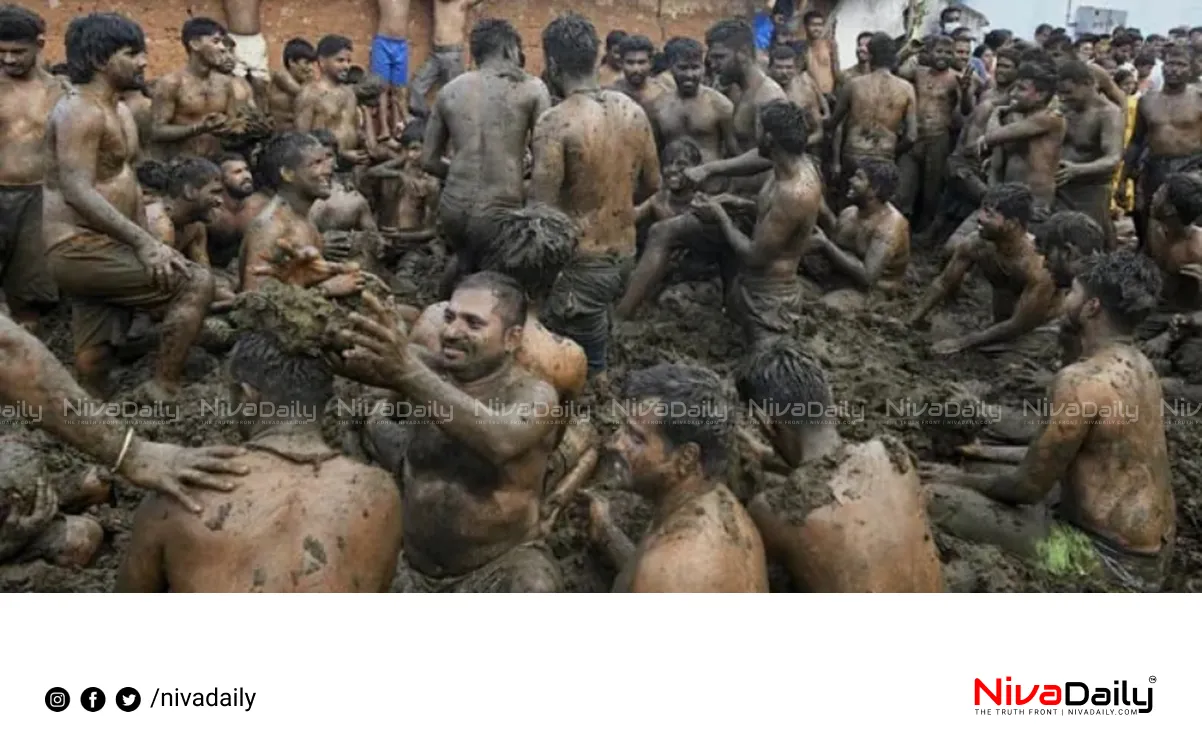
x: 1150, y: 16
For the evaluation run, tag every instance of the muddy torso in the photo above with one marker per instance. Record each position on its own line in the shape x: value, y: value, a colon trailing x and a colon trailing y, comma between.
x: 805, y: 94
x: 195, y: 98
x: 747, y: 106
x: 1181, y: 293
x: 115, y: 179
x: 717, y: 539
x: 1009, y: 274
x: 341, y: 212
x: 1118, y: 484
x: 854, y: 524
x: 290, y: 229
x: 281, y: 104
x: 877, y: 112
x: 336, y: 109
x: 289, y: 527
x: 1035, y: 161
x: 25, y: 107
x: 818, y: 62
x: 1174, y: 122
x: 858, y: 235
x: 229, y: 224
x: 1083, y: 136
x: 780, y: 246
x: 699, y: 118
x: 936, y: 94
x: 407, y: 200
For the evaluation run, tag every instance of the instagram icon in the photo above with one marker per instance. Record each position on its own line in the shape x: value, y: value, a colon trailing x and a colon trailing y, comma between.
x: 57, y: 699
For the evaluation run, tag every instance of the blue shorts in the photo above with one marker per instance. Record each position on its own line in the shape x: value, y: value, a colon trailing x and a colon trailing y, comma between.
x: 390, y: 59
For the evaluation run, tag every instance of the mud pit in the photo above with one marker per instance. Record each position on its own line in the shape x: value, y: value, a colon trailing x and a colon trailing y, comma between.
x: 870, y: 358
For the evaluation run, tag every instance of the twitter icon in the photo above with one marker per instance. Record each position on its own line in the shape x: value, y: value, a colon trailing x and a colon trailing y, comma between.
x: 128, y: 699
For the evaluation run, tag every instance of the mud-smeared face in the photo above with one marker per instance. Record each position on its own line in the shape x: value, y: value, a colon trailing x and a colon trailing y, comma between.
x: 210, y: 49
x: 963, y: 53
x: 206, y: 200
x: 18, y: 58
x: 782, y: 70
x: 862, y: 55
x: 943, y: 56
x: 636, y: 66
x: 228, y: 61
x: 1176, y: 69
x: 673, y: 173
x: 859, y: 188
x: 1085, y: 51
x: 1025, y: 96
x: 1074, y: 95
x: 643, y: 455
x: 235, y: 174
x: 301, y: 70
x: 816, y: 27
x: 312, y: 177
x: 688, y: 73
x: 474, y: 340
x: 725, y: 63
x: 126, y: 69
x: 991, y: 223
x: 1005, y: 71
x: 337, y: 67
x: 413, y: 153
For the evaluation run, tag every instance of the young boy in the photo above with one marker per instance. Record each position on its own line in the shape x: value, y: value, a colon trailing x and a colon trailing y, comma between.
x: 408, y: 211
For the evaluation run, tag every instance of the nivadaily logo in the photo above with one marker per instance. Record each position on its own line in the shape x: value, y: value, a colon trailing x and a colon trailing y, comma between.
x: 1071, y: 697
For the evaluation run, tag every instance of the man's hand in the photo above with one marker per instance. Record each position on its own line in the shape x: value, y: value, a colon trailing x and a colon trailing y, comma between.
x: 344, y: 285
x: 599, y: 518
x: 163, y: 263
x: 211, y: 123
x: 1067, y: 172
x: 20, y: 528
x: 706, y: 208
x: 696, y: 175
x: 948, y: 347
x: 1039, y: 379
x: 356, y: 157
x: 379, y: 353
x: 171, y: 470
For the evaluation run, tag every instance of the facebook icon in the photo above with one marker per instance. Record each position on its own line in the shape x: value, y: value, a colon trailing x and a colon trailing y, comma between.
x: 92, y: 699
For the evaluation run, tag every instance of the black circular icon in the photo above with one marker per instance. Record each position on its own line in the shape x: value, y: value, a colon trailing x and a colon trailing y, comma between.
x: 92, y: 699
x: 128, y: 699
x: 57, y: 699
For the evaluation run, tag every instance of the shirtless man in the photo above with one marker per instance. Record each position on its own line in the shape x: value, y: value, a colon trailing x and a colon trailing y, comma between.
x: 766, y: 296
x: 822, y: 54
x: 485, y: 118
x: 192, y: 197
x: 306, y: 519
x: 409, y: 200
x: 282, y: 241
x: 240, y: 204
x: 244, y: 25
x: 799, y: 87
x: 870, y: 247
x: 1176, y: 240
x: 609, y: 71
x: 700, y: 539
x: 877, y: 112
x: 1062, y: 49
x: 1023, y: 289
x: 939, y: 95
x: 731, y: 50
x: 345, y: 209
x: 1168, y: 134
x: 473, y: 472
x: 196, y: 104
x: 390, y: 59
x: 1092, y: 150
x: 445, y: 62
x: 871, y: 533
x: 329, y: 103
x: 286, y: 84
x: 862, y: 65
x: 27, y: 95
x: 693, y: 110
x: 1104, y: 444
x: 594, y: 153
x: 100, y: 253
x: 636, y: 53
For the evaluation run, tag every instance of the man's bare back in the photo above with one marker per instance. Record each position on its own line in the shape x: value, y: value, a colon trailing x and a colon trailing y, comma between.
x: 879, y: 107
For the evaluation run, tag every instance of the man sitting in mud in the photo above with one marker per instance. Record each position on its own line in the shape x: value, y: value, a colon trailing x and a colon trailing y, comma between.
x: 594, y: 154
x: 1065, y: 241
x: 306, y: 519
x: 282, y: 242
x: 345, y: 209
x: 299, y: 60
x: 1104, y: 443
x: 193, y: 196
x: 840, y: 517
x: 98, y: 251
x: 327, y: 102
x: 1023, y: 289
x: 766, y: 298
x: 31, y: 526
x: 193, y: 106
x: 409, y: 195
x: 700, y: 538
x: 473, y: 472
x: 870, y: 247
x: 240, y: 204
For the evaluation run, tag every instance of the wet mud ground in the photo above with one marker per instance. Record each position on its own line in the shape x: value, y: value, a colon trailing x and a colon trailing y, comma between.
x: 870, y: 357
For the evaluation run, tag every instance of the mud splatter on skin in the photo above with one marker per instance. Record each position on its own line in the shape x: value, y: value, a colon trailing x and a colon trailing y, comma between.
x: 315, y: 549
x: 217, y: 521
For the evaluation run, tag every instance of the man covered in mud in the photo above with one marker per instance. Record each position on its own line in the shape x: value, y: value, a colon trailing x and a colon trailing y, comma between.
x: 822, y: 54
x: 800, y: 88
x: 766, y: 297
x: 840, y: 517
x: 346, y: 208
x: 27, y: 95
x: 877, y: 112
x: 240, y: 204
x: 1168, y: 133
x: 473, y: 472
x: 306, y: 519
x: 609, y: 70
x: 1005, y: 254
x: 99, y: 250
x: 282, y: 242
x: 1061, y: 49
x: 870, y: 247
x: 693, y: 110
x: 329, y: 103
x: 1104, y: 443
x: 286, y: 83
x: 939, y: 96
x: 636, y: 52
x: 445, y: 62
x: 191, y: 199
x: 1092, y: 150
x: 484, y: 118
x: 594, y: 154
x: 195, y: 105
x: 409, y: 195
x: 700, y: 539
x: 1176, y: 247
x: 862, y: 65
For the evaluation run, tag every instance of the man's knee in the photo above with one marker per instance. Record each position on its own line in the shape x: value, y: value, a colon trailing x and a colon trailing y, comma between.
x: 198, y: 285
